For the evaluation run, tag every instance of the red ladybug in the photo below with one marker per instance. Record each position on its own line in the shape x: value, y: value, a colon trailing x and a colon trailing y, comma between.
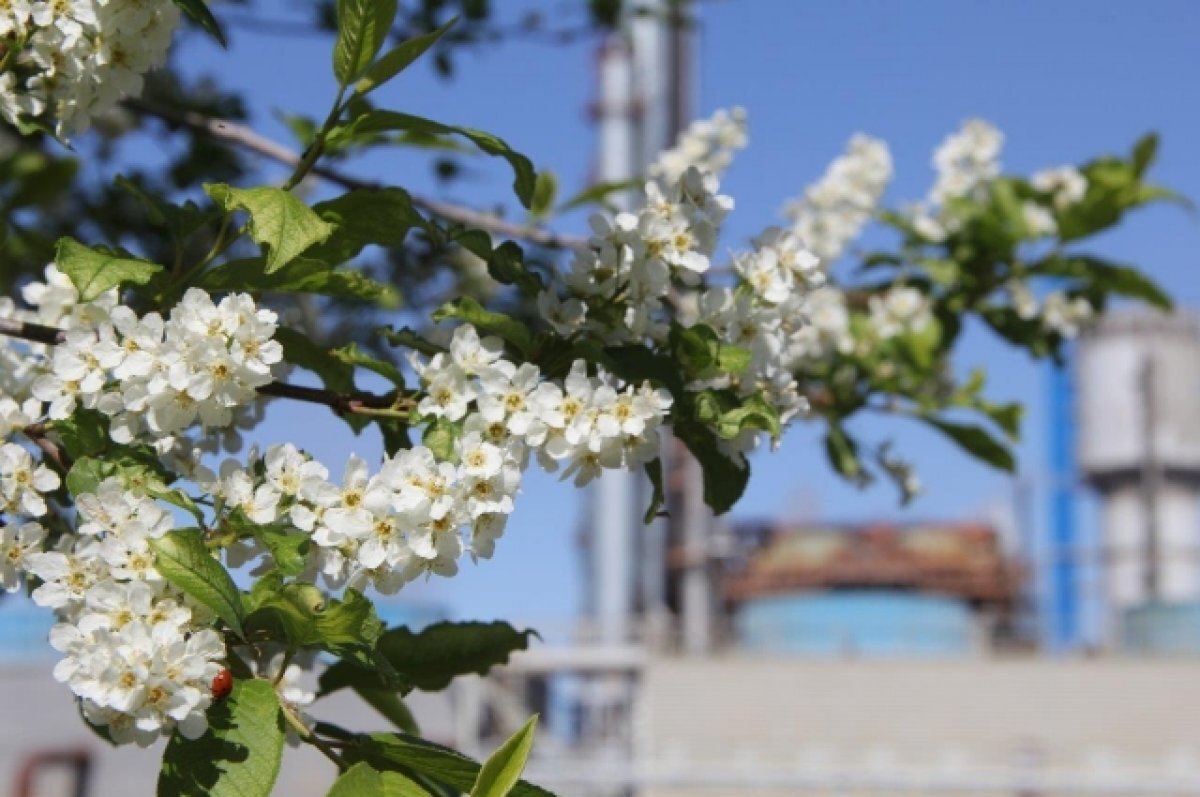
x: 222, y: 685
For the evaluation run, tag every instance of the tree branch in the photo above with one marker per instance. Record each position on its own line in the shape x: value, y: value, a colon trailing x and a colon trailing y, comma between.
x: 36, y: 432
x: 35, y: 332
x: 246, y: 138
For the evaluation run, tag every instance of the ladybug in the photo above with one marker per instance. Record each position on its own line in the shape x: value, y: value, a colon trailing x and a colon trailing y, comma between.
x: 222, y: 685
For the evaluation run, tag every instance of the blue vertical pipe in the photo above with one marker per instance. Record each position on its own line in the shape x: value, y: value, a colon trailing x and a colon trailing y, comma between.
x: 1061, y: 569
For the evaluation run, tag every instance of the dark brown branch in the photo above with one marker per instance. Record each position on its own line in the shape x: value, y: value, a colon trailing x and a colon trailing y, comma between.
x: 34, y: 332
x: 36, y: 432
x: 342, y: 403
x: 247, y: 139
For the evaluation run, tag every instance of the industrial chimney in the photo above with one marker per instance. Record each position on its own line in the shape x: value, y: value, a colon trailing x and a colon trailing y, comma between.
x: 1139, y: 446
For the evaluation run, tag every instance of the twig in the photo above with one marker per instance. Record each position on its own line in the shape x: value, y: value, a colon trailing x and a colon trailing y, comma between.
x: 248, y: 139
x: 36, y: 432
x: 34, y: 332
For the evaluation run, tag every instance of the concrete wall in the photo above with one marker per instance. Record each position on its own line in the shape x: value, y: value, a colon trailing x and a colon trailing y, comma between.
x: 1095, y: 726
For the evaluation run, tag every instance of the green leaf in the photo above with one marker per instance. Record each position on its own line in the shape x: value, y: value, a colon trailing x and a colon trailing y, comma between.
x: 976, y: 441
x: 238, y: 756
x: 94, y: 271
x: 545, y: 189
x: 409, y: 339
x: 431, y: 659
x: 525, y: 176
x: 185, y: 561
x: 506, y: 264
x: 636, y: 364
x: 86, y: 474
x: 658, y: 498
x: 725, y: 479
x: 505, y: 327
x: 289, y: 550
x: 599, y: 192
x: 302, y: 275
x: 398, y: 750
x: 695, y: 347
x: 1106, y: 276
x: 197, y: 11
x: 501, y: 772
x: 754, y: 413
x: 389, y: 704
x: 843, y: 452
x: 363, y: 781
x: 1144, y: 152
x: 363, y: 27
x: 299, y: 349
x: 363, y: 217
x: 399, y: 58
x: 180, y: 220
x: 440, y: 437
x: 83, y: 434
x: 350, y: 354
x: 304, y: 617
x: 278, y: 220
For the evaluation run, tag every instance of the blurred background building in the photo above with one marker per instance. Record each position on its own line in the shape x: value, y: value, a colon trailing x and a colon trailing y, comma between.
x: 1055, y: 656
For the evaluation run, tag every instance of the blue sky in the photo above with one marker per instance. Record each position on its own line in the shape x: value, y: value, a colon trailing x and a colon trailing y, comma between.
x: 1065, y: 81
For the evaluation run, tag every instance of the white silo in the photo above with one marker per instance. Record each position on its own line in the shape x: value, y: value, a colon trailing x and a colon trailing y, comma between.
x: 1139, y: 445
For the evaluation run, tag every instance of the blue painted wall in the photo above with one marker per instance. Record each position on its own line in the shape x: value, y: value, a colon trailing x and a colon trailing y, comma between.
x: 859, y: 623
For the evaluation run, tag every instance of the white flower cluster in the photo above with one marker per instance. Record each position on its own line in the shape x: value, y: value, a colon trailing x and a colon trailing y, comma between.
x: 138, y: 655
x: 769, y: 318
x: 23, y: 483
x: 707, y: 144
x: 967, y: 160
x: 153, y: 377
x: 67, y: 61
x: 1057, y: 312
x: 901, y: 310
x: 1065, y: 185
x: 618, y: 282
x: 834, y: 210
x: 409, y: 517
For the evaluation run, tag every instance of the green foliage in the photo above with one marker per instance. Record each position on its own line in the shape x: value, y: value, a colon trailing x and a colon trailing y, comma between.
x: 976, y: 441
x: 363, y: 781
x: 1098, y: 274
x: 301, y: 616
x: 658, y: 496
x: 197, y: 11
x: 94, y: 271
x: 430, y: 659
x: 352, y: 355
x: 186, y: 562
x: 289, y: 547
x: 377, y: 121
x: 725, y: 478
x: 83, y: 434
x: 500, y: 774
x: 240, y: 754
x: 363, y: 27
x: 599, y: 193
x: 398, y: 751
x: 545, y: 190
x: 301, y: 275
x: 278, y: 220
x: 506, y: 328
x: 399, y: 58
x: 363, y: 217
x: 298, y: 349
